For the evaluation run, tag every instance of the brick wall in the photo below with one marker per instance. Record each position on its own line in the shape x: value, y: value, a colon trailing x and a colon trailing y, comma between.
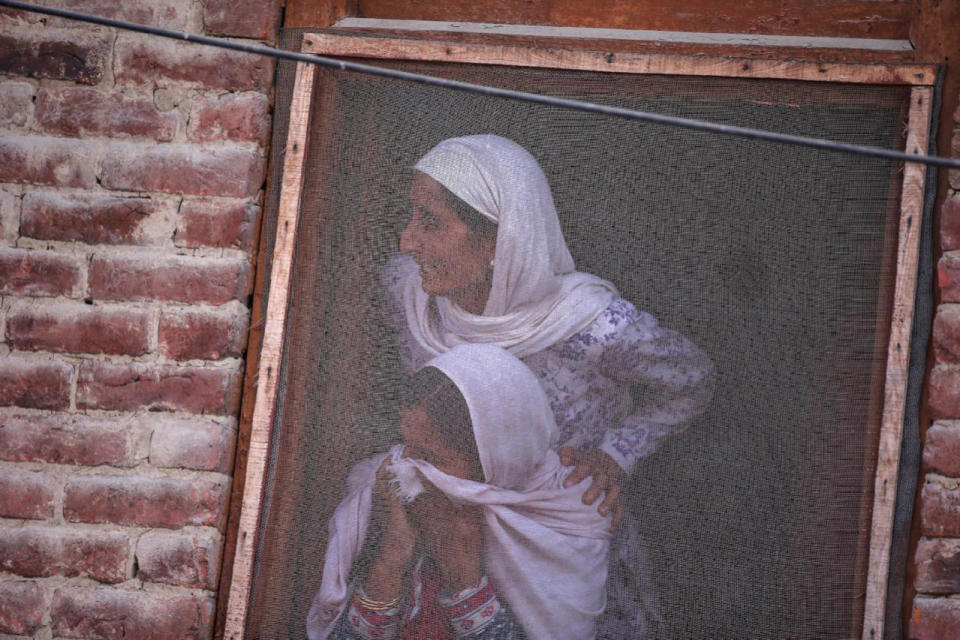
x: 936, y: 608
x: 131, y: 176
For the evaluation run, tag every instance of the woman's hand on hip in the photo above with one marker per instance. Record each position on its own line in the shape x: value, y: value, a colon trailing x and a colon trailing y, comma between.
x: 607, y: 478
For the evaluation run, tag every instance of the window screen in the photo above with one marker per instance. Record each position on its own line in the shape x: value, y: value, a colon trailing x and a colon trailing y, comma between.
x: 776, y: 261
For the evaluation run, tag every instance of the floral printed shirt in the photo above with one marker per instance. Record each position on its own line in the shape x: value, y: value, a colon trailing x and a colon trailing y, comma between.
x: 623, y: 384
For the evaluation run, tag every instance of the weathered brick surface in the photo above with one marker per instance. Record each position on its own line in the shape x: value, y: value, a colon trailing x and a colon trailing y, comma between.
x: 184, y: 560
x: 78, y: 111
x: 26, y: 494
x: 22, y: 605
x: 53, y: 53
x: 946, y: 334
x: 950, y: 224
x: 193, y: 444
x: 202, y: 335
x: 110, y: 614
x: 163, y: 63
x: 938, y: 565
x: 47, y: 161
x: 940, y: 507
x: 9, y: 218
x: 243, y: 117
x: 126, y: 387
x: 941, y: 451
x: 935, y: 619
x: 227, y: 224
x: 97, y: 219
x: 16, y: 103
x: 241, y: 18
x: 34, y: 384
x: 70, y: 439
x: 184, y: 169
x: 170, y: 14
x: 150, y: 502
x: 39, y: 273
x: 180, y: 279
x: 944, y: 388
x: 78, y: 328
x: 39, y: 552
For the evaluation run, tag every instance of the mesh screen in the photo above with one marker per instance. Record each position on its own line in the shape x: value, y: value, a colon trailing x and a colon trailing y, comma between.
x: 777, y: 261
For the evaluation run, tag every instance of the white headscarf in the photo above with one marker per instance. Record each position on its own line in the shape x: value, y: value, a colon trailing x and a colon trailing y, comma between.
x: 536, y: 298
x: 545, y: 552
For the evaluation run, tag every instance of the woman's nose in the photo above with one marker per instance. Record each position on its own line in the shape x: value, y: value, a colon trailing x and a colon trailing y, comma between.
x: 409, y: 239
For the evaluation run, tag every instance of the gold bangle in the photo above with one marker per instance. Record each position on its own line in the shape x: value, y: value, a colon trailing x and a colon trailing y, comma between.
x: 376, y: 605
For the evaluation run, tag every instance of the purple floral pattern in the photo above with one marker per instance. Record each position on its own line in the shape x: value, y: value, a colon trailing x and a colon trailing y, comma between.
x: 622, y: 384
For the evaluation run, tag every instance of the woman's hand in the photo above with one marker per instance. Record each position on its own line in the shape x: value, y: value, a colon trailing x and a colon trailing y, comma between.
x: 607, y: 477
x: 453, y: 535
x: 397, y: 543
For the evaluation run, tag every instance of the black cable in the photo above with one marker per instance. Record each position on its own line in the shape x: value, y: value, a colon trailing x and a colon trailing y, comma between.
x: 644, y: 116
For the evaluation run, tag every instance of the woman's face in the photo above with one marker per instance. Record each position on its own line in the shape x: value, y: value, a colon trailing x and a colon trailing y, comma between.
x: 453, y: 262
x: 422, y: 440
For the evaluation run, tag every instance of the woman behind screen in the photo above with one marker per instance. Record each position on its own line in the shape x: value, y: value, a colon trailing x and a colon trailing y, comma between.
x: 485, y: 262
x: 491, y: 546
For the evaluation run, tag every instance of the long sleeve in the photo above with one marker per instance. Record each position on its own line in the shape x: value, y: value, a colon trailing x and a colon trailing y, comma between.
x: 670, y: 378
x: 474, y: 613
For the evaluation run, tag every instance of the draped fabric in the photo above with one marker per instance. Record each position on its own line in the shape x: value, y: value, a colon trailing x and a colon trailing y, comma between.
x: 545, y: 552
x: 537, y: 298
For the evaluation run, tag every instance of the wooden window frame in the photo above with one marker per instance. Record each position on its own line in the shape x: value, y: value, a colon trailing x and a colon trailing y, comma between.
x: 919, y: 77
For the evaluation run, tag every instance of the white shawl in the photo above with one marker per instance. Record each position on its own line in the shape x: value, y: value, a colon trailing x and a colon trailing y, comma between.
x: 536, y: 298
x: 545, y: 552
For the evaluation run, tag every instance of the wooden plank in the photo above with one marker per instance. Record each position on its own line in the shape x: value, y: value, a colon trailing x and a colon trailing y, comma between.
x: 606, y: 61
x: 530, y: 32
x: 833, y: 18
x: 271, y: 352
x: 317, y: 13
x: 898, y: 364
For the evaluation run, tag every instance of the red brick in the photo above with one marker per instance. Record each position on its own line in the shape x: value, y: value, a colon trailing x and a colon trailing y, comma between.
x: 50, y: 161
x: 192, y: 444
x: 27, y: 495
x: 241, y: 117
x: 940, y: 508
x: 938, y: 565
x: 96, y: 219
x: 69, y: 439
x: 56, y: 54
x: 110, y: 614
x: 950, y: 224
x: 146, y: 502
x: 22, y: 605
x: 40, y: 552
x: 935, y: 619
x: 202, y: 335
x: 941, y: 450
x: 126, y: 387
x: 231, y: 225
x: 163, y: 63
x: 38, y: 273
x: 184, y: 169
x: 946, y: 334
x: 78, y: 328
x: 9, y: 217
x: 241, y: 18
x: 16, y: 103
x: 179, y: 279
x: 184, y: 560
x: 78, y: 111
x: 34, y: 384
x: 944, y: 397
x: 169, y: 14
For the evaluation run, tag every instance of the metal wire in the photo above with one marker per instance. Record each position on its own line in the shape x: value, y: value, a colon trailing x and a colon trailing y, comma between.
x: 590, y: 107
